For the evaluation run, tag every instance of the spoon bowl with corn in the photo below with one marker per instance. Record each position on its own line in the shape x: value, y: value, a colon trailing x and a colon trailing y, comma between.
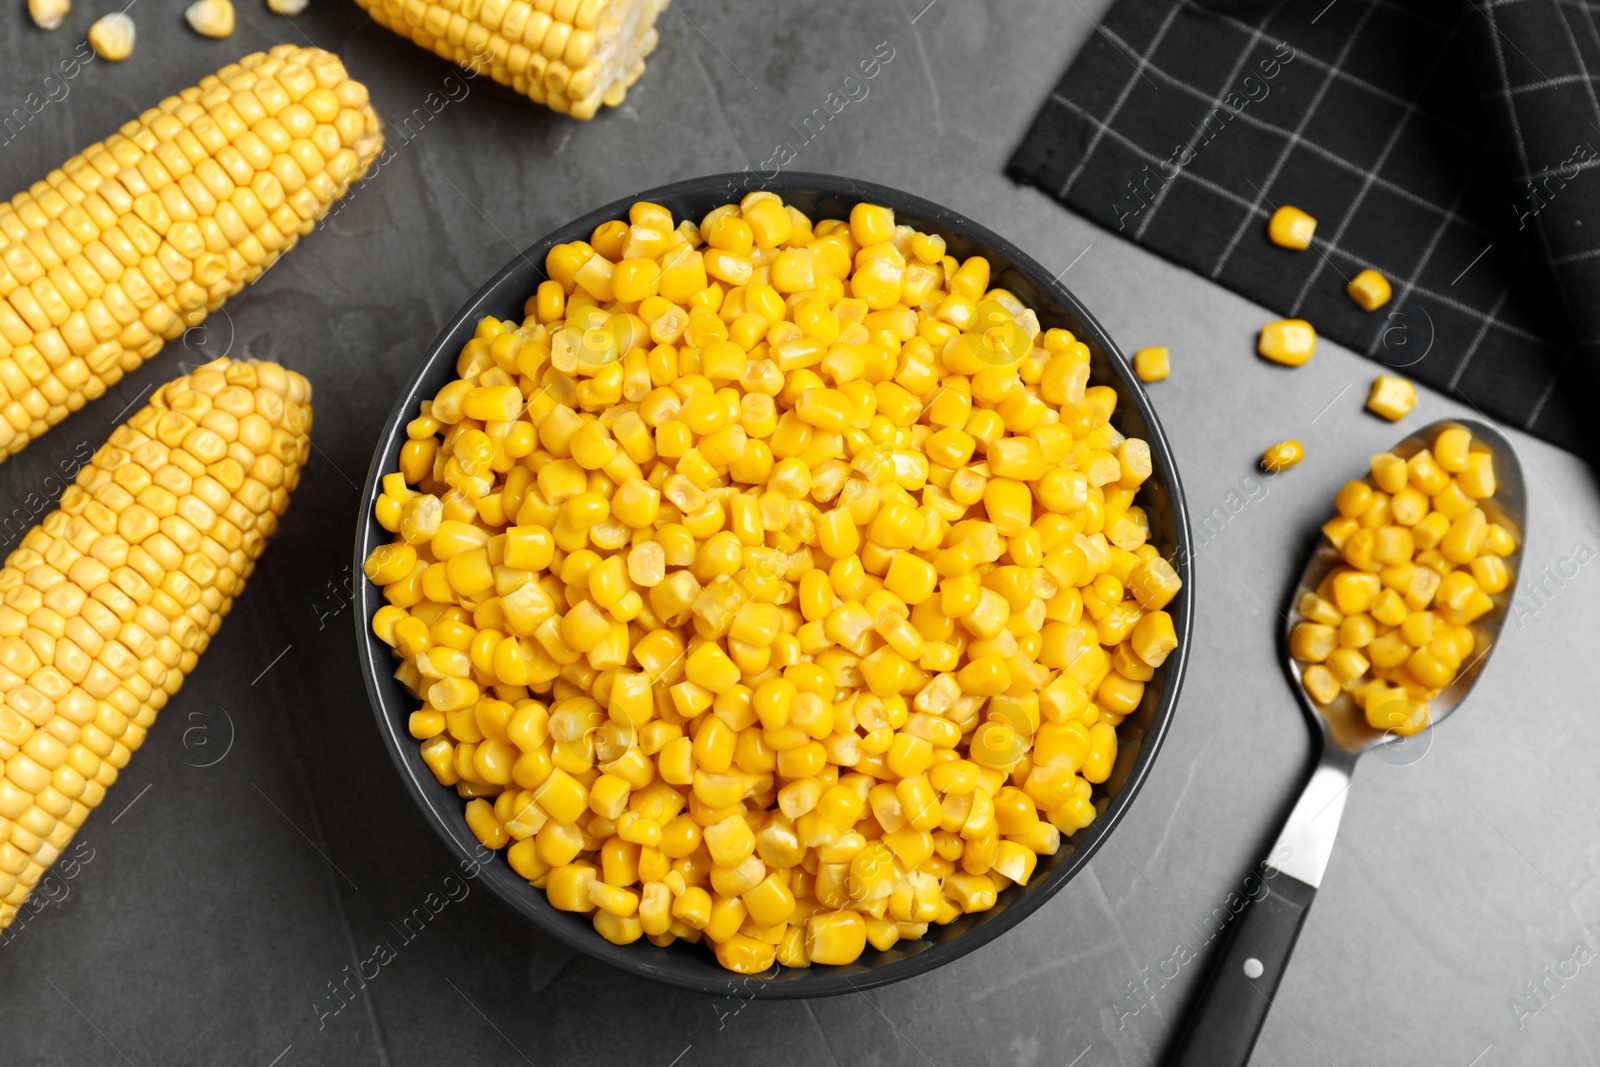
x: 1389, y: 628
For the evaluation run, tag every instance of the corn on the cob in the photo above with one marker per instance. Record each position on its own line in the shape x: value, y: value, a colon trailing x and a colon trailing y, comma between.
x: 107, y: 604
x: 139, y: 237
x: 570, y: 55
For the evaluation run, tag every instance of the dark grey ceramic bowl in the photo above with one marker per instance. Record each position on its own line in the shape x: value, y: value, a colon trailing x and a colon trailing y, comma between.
x: 820, y: 196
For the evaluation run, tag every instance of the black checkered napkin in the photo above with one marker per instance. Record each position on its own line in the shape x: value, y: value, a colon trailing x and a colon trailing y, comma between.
x: 1411, y: 131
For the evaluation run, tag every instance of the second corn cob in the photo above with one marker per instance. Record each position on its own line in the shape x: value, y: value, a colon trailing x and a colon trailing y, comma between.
x: 139, y: 237
x: 570, y: 55
x: 106, y: 605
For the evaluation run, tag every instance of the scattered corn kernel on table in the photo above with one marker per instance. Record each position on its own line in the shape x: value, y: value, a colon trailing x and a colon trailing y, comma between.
x: 258, y: 888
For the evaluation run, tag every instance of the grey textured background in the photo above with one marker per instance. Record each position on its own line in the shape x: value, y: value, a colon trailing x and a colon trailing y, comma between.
x: 212, y: 915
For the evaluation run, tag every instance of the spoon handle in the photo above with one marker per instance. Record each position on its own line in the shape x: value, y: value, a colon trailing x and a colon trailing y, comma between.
x: 1229, y: 1010
x: 1232, y: 1006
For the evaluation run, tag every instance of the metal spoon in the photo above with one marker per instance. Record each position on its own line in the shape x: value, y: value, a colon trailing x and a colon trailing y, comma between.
x: 1231, y: 1007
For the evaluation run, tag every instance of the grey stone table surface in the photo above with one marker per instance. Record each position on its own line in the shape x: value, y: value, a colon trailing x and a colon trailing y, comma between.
x: 260, y: 843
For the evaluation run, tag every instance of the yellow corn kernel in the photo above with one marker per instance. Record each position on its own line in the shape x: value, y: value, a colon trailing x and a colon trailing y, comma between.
x: 730, y: 841
x: 1491, y: 574
x: 709, y: 666
x: 1289, y: 227
x: 985, y: 676
x: 1312, y: 641
x: 1338, y: 530
x: 770, y: 224
x: 1417, y: 630
x: 112, y: 36
x: 1319, y: 610
x: 1354, y: 592
x: 390, y: 563
x: 1282, y: 456
x: 617, y: 929
x: 613, y: 899
x: 1388, y: 608
x: 1430, y: 531
x: 1392, y: 711
x: 1391, y: 397
x: 693, y: 908
x: 48, y: 14
x: 911, y: 578
x: 1459, y: 600
x: 835, y: 937
x: 562, y: 796
x: 1357, y: 631
x: 655, y: 908
x: 745, y: 955
x: 727, y: 915
x: 1153, y: 582
x: 1154, y: 638
x: 557, y: 844
x: 1348, y: 664
x: 1009, y: 506
x: 919, y: 803
x: 1353, y: 499
x: 1288, y: 341
x: 1392, y: 544
x: 1477, y: 479
x: 1451, y: 448
x: 210, y: 18
x: 1465, y: 538
x: 608, y: 796
x: 1429, y: 669
x: 1152, y: 364
x: 1321, y: 683
x: 769, y: 903
x: 567, y: 887
x: 1409, y: 507
x: 871, y: 224
x: 1450, y: 500
x: 1369, y: 289
x: 493, y: 402
x: 1389, y: 472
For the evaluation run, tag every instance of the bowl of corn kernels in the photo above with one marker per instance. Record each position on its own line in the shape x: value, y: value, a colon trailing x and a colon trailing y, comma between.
x: 787, y: 580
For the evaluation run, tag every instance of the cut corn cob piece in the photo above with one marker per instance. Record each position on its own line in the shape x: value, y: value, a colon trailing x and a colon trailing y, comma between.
x: 122, y: 587
x: 570, y: 55
x: 139, y: 237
